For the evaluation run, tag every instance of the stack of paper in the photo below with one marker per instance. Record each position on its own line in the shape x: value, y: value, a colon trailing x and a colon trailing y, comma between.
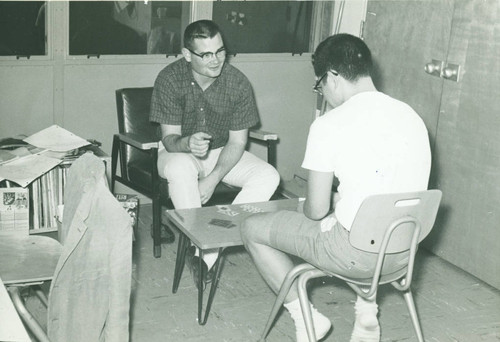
x: 23, y: 170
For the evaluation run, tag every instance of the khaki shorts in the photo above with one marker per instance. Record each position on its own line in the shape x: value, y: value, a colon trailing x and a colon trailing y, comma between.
x: 295, y: 234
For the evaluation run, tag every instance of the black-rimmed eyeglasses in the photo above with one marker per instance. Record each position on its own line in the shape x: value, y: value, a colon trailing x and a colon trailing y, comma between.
x: 317, y: 87
x: 208, y: 56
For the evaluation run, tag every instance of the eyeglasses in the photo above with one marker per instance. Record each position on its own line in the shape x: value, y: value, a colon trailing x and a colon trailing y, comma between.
x: 317, y: 86
x: 208, y: 56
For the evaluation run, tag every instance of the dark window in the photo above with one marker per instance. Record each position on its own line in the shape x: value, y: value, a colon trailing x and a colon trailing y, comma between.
x: 22, y: 28
x: 264, y: 26
x: 125, y: 28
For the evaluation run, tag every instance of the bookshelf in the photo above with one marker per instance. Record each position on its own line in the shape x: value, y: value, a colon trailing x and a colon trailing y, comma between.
x: 46, y: 193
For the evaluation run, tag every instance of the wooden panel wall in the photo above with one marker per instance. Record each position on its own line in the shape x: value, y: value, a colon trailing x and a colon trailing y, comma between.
x: 463, y: 118
x: 403, y: 37
x: 468, y: 145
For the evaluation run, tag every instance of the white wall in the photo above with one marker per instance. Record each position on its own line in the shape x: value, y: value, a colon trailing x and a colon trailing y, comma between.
x: 78, y: 93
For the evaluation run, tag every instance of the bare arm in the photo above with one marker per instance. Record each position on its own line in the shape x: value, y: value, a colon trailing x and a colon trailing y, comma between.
x: 319, y: 189
x: 197, y: 143
x: 229, y: 156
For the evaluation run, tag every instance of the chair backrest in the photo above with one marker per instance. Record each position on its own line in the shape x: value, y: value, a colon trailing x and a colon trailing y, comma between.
x: 400, y: 212
x: 133, y: 106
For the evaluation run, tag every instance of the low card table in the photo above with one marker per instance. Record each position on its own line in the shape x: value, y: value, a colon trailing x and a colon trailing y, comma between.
x: 216, y: 227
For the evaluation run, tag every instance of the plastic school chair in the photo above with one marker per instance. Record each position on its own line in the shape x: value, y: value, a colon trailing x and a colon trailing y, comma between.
x: 385, y: 223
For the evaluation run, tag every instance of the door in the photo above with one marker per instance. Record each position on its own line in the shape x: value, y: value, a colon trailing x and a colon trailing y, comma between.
x: 463, y: 118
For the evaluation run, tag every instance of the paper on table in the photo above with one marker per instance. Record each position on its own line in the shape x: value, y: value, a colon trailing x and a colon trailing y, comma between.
x: 57, y: 139
x: 26, y: 169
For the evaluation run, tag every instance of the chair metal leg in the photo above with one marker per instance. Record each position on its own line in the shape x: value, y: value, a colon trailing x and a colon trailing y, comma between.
x: 304, y: 300
x: 280, y: 299
x: 413, y: 314
x: 26, y: 316
x: 180, y: 260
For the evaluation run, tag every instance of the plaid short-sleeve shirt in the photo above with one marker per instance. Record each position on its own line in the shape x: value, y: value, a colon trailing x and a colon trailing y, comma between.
x: 228, y: 104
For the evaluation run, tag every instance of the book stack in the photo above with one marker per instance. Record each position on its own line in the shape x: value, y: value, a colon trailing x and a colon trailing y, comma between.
x: 46, y: 194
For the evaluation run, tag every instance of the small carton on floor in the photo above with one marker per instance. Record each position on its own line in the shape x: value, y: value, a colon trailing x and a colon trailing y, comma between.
x: 131, y: 204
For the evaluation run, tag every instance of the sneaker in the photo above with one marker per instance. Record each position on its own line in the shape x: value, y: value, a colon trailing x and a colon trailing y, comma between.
x: 322, y: 325
x: 366, y: 326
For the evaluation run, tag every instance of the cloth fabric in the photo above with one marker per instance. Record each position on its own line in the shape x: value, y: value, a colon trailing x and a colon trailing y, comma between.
x: 257, y: 179
x: 228, y: 104
x: 293, y: 233
x: 90, y: 294
x: 374, y: 144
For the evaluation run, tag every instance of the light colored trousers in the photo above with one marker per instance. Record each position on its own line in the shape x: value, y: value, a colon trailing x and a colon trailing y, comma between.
x: 257, y: 179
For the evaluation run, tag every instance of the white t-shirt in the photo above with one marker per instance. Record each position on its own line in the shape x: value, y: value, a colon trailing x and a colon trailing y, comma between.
x: 373, y: 144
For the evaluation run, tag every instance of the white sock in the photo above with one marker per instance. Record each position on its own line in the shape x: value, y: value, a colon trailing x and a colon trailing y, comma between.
x: 209, y: 256
x: 366, y: 327
x: 321, y: 323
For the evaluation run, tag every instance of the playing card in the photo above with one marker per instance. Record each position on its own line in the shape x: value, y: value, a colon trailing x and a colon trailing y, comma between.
x: 251, y: 209
x: 222, y: 223
x: 225, y: 210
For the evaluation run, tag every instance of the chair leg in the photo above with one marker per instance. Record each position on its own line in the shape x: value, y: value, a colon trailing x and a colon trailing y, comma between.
x: 156, y: 226
x: 33, y: 326
x: 304, y: 300
x: 280, y: 299
x: 413, y: 314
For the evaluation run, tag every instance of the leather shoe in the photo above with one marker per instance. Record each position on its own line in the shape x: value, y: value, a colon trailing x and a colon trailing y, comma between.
x: 194, y: 267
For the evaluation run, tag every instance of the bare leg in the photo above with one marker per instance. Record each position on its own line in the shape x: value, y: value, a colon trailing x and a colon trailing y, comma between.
x: 274, y: 265
x: 271, y: 263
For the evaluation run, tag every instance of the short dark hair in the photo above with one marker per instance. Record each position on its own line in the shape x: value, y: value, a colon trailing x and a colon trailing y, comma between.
x: 346, y: 54
x: 199, y: 29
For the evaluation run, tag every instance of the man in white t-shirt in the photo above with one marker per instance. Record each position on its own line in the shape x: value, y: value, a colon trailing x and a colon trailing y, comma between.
x: 372, y: 144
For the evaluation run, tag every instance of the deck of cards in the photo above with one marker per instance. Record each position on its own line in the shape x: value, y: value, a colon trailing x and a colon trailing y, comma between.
x: 250, y: 208
x: 225, y: 210
x: 222, y: 223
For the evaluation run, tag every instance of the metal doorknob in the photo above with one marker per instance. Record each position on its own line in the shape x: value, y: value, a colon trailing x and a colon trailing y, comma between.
x: 434, y: 67
x: 449, y: 72
x: 430, y: 68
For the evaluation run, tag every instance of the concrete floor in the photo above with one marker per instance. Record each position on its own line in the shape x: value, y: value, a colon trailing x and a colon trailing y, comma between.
x: 453, y: 305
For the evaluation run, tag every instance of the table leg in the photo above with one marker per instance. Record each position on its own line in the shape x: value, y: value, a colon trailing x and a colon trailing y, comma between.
x: 213, y: 288
x: 182, y: 247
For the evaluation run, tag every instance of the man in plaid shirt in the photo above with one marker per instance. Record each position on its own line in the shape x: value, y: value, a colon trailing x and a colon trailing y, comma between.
x: 205, y: 107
